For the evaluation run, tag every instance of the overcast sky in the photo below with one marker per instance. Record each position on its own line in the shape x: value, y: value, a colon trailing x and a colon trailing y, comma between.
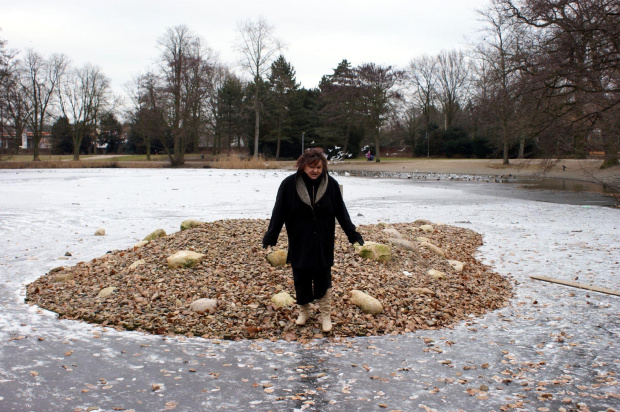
x: 121, y: 36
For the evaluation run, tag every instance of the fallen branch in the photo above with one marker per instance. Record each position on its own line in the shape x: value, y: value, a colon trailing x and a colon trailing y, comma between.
x: 577, y: 285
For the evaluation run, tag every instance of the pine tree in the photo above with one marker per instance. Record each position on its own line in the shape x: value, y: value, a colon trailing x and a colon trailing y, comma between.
x: 282, y: 85
x: 110, y: 133
x: 230, y: 114
x: 340, y: 95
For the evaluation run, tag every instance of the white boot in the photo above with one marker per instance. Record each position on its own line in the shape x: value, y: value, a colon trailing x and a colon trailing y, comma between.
x: 325, y: 305
x: 304, y: 314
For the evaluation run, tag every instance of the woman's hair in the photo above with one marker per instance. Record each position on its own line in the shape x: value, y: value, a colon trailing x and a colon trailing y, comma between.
x: 310, y: 157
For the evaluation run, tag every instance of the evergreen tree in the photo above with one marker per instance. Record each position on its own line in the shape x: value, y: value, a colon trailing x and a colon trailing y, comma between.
x: 282, y: 85
x: 340, y: 95
x: 110, y: 133
x: 61, y: 136
x: 230, y: 121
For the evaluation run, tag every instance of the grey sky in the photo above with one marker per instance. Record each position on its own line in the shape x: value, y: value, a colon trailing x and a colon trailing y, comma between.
x: 121, y: 36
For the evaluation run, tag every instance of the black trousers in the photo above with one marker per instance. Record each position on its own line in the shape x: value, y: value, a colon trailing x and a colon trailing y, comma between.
x: 311, y: 284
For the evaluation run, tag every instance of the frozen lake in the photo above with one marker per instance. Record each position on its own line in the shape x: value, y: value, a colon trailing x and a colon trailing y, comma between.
x: 553, y: 347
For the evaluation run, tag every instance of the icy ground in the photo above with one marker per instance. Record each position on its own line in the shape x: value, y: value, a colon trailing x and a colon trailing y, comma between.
x: 554, y: 347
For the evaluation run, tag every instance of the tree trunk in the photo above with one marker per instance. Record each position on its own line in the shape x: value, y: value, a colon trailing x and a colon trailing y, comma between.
x: 195, y: 141
x: 347, y: 133
x: 505, y: 142
x: 610, y: 145
x: 279, y: 139
x: 214, y: 149
x: 76, y: 149
x: 413, y: 135
x: 377, y: 147
x: 175, y: 147
x: 256, y: 132
x: 256, y: 120
x: 35, y: 148
x: 180, y: 156
x: 522, y: 148
x: 229, y: 140
x: 148, y: 149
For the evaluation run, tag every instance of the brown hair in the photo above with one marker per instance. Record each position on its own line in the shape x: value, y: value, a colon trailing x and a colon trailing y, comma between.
x: 310, y: 157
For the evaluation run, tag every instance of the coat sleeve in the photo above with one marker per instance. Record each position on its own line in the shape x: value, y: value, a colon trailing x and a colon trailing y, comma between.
x: 344, y: 219
x: 277, y: 219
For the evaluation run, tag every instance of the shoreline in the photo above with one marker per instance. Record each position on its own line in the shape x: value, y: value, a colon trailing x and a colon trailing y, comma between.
x: 586, y: 170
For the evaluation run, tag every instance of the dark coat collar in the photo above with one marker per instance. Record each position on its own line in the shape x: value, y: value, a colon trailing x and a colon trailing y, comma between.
x: 302, y: 190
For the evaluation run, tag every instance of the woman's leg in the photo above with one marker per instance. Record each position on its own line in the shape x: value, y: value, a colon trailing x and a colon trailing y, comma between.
x: 303, y: 291
x: 325, y: 305
x: 322, y: 291
x: 304, y: 314
x: 311, y: 284
x: 302, y: 279
x: 322, y: 281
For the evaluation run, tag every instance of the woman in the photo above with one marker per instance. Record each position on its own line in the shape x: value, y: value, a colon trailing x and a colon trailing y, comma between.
x: 308, y: 203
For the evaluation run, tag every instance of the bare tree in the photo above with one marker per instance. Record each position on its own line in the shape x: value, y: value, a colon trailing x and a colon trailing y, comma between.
x: 452, y: 80
x: 187, y: 69
x: 177, y: 45
x: 575, y: 66
x: 218, y: 74
x: 379, y: 92
x: 411, y: 119
x: 423, y: 76
x: 146, y: 119
x: 258, y: 48
x: 499, y: 63
x: 41, y: 82
x: 15, y: 107
x: 6, y: 56
x: 222, y: 81
x: 85, y: 95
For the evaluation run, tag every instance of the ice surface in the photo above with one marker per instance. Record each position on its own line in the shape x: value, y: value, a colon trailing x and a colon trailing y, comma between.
x: 549, y: 332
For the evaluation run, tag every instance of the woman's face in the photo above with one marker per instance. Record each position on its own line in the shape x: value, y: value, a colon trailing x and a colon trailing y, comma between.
x: 314, y: 170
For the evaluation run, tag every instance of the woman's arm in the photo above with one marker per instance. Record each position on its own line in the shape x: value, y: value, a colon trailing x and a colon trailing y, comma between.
x: 277, y: 220
x: 342, y: 214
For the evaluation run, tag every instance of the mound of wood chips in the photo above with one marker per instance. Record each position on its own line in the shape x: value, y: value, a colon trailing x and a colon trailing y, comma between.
x: 152, y: 298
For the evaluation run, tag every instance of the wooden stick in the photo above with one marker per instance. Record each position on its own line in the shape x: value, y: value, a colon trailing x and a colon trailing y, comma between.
x: 577, y: 285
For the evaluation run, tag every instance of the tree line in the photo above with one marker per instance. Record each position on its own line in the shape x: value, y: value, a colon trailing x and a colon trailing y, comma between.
x: 541, y: 79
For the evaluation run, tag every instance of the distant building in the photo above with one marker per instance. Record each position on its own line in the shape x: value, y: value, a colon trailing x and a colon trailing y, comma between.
x: 10, y: 141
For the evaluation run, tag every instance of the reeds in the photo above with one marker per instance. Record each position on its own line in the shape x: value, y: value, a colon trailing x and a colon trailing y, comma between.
x: 82, y: 164
x: 238, y: 162
x: 218, y: 162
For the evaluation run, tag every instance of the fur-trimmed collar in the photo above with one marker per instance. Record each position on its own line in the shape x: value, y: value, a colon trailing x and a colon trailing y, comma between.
x: 302, y: 190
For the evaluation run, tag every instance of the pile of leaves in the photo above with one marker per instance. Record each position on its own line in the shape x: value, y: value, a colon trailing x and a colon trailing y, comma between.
x: 153, y: 298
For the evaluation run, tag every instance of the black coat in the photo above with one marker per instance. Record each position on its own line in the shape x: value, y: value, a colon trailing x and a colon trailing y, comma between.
x: 310, y: 230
